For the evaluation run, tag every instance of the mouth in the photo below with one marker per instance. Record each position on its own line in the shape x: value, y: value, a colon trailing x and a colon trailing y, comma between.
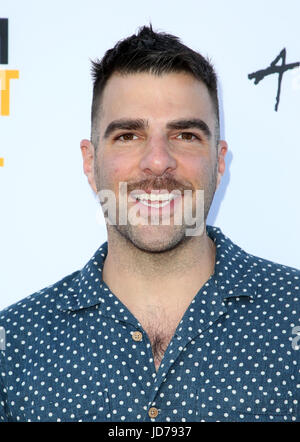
x: 158, y: 200
x: 156, y: 203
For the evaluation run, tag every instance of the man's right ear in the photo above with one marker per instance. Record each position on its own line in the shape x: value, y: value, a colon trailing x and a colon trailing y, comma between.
x: 88, y: 156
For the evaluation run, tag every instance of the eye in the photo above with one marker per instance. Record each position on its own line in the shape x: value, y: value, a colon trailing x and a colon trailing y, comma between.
x: 126, y: 137
x: 187, y: 136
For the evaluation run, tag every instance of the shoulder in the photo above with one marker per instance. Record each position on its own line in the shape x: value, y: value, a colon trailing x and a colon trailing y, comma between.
x: 44, y: 304
x: 34, y: 309
x: 272, y: 279
x: 271, y: 286
x: 239, y: 264
x: 276, y: 289
x: 275, y: 276
x: 41, y: 311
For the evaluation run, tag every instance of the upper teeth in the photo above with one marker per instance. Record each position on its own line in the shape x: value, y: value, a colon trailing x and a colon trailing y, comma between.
x: 162, y: 197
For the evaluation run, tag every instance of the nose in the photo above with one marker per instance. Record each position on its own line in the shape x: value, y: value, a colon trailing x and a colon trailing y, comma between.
x: 157, y: 157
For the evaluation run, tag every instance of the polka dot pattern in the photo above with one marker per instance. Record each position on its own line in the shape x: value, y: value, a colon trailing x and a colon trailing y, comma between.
x: 74, y: 352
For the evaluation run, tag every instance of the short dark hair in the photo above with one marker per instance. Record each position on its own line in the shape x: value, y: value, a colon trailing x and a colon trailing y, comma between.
x: 153, y: 52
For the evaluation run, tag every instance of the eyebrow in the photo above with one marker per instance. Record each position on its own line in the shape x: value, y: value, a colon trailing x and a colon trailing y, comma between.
x: 138, y: 124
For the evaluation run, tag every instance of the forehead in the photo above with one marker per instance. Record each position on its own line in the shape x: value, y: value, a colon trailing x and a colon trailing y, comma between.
x: 164, y: 97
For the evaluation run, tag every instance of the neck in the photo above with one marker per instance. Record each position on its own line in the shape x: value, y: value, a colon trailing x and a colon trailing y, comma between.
x: 176, y: 275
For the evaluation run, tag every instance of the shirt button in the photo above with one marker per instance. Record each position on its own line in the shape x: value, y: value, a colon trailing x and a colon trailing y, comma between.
x: 137, y: 336
x: 153, y: 412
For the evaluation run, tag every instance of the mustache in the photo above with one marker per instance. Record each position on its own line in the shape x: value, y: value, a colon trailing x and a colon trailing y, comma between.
x: 161, y: 183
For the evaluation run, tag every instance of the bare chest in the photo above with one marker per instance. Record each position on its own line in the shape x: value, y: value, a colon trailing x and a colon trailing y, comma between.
x: 160, y: 328
x: 159, y: 344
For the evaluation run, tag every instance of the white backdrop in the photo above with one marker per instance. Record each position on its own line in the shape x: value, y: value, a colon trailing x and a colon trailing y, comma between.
x: 49, y: 225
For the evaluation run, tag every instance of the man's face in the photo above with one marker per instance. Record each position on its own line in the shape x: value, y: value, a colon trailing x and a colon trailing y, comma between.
x: 164, y: 151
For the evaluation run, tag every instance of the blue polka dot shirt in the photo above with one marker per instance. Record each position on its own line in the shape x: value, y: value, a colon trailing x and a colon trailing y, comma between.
x: 74, y: 352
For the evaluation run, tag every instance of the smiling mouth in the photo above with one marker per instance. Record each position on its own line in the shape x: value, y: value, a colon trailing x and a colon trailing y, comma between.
x: 157, y: 201
x: 158, y: 205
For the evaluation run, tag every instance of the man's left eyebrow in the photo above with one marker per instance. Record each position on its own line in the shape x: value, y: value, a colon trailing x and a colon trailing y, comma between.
x: 190, y: 124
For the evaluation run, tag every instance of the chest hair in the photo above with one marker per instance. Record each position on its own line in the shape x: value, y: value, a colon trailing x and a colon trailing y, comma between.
x: 160, y: 329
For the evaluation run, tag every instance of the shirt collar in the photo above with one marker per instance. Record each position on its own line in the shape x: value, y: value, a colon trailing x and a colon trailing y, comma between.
x: 236, y: 271
x: 235, y: 275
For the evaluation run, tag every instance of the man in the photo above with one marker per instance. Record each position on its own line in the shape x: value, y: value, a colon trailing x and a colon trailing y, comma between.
x: 165, y: 322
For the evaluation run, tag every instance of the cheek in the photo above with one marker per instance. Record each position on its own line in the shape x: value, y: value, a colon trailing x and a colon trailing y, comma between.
x: 110, y: 168
x: 120, y: 169
x: 117, y: 171
x: 197, y: 171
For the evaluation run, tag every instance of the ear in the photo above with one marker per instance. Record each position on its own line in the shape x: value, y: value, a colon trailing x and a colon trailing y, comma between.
x: 222, y: 150
x: 88, y: 156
